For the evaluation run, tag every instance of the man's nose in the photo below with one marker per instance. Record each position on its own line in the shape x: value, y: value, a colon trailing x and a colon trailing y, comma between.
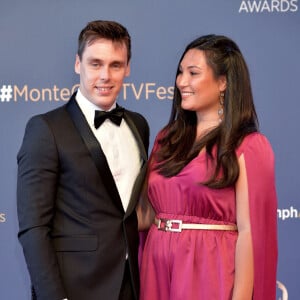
x: 104, y: 73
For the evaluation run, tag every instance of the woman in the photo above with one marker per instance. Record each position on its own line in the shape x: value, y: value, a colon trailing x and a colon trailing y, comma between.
x: 211, y: 187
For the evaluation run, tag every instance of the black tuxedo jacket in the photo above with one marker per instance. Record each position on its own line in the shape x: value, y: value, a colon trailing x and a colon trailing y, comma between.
x: 72, y: 226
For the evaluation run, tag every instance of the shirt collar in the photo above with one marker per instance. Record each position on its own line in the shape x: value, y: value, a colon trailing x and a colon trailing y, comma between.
x: 88, y: 108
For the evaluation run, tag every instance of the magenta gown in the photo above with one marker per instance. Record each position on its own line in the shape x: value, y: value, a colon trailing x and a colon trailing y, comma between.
x: 199, y: 264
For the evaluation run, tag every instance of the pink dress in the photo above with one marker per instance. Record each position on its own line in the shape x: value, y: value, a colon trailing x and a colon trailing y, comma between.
x: 199, y: 264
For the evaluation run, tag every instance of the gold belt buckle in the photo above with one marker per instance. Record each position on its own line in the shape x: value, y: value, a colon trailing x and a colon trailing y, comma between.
x: 167, y: 225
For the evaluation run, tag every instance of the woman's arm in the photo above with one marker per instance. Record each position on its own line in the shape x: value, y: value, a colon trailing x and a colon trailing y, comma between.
x: 144, y: 210
x: 244, y: 263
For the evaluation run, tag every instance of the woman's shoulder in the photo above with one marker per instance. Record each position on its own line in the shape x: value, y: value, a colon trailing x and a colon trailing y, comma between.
x: 255, y: 142
x: 162, y: 133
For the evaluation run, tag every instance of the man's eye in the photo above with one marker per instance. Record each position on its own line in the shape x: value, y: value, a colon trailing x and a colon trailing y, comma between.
x: 116, y: 66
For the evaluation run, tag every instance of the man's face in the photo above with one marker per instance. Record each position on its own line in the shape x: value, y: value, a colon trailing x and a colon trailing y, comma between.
x: 102, y: 70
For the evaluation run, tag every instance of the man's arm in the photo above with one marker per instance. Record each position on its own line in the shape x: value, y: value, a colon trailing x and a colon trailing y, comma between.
x: 38, y: 169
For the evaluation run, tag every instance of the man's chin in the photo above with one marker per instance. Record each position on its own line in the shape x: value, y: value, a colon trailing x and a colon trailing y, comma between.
x: 104, y: 103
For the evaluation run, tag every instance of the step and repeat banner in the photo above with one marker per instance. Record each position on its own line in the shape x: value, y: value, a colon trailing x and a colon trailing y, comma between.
x: 37, y: 54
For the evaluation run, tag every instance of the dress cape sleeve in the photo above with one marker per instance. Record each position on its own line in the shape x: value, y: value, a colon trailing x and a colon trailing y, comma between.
x: 259, y: 160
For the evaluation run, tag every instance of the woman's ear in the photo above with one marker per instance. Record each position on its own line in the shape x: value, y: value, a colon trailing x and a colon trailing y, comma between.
x: 222, y: 83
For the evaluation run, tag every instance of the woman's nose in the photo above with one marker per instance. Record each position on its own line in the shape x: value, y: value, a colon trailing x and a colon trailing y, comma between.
x: 181, y: 80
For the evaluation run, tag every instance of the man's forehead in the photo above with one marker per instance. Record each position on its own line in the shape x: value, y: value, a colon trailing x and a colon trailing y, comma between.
x: 114, y: 44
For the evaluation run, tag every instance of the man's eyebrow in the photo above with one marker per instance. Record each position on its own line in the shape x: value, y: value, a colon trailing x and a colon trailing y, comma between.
x: 93, y: 59
x: 98, y: 60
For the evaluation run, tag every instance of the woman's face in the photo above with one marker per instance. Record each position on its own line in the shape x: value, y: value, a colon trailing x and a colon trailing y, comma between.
x: 199, y: 89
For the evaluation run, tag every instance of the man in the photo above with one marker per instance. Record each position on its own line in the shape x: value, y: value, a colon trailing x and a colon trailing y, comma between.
x: 79, y: 179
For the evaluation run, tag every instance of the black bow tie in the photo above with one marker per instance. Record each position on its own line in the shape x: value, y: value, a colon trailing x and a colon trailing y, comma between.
x: 114, y: 115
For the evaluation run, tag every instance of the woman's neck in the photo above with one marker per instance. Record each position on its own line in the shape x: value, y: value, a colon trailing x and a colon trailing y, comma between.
x: 205, y: 125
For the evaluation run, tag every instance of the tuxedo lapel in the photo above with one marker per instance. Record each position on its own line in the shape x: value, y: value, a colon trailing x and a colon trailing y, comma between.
x: 140, y: 178
x: 137, y: 136
x: 95, y: 150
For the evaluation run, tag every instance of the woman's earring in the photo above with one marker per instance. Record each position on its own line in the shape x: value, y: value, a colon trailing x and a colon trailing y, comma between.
x: 221, y: 109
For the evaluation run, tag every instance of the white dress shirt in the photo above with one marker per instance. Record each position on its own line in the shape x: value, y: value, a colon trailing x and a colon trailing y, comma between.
x: 119, y: 147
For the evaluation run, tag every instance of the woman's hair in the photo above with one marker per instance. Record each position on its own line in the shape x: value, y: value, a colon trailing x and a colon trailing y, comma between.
x: 101, y: 29
x: 177, y: 142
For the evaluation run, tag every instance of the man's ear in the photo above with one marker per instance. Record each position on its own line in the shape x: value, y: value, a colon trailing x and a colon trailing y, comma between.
x: 127, y: 72
x: 77, y: 64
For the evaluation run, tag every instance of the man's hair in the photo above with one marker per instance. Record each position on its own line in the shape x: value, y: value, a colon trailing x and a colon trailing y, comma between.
x: 101, y: 29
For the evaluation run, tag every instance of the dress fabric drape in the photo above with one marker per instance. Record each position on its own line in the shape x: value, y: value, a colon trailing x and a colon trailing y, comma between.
x: 199, y: 264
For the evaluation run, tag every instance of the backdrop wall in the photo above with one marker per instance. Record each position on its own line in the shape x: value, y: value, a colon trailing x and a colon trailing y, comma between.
x: 37, y: 52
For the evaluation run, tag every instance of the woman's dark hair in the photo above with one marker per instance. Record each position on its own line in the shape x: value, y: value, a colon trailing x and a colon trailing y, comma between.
x: 178, y: 145
x: 101, y: 29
